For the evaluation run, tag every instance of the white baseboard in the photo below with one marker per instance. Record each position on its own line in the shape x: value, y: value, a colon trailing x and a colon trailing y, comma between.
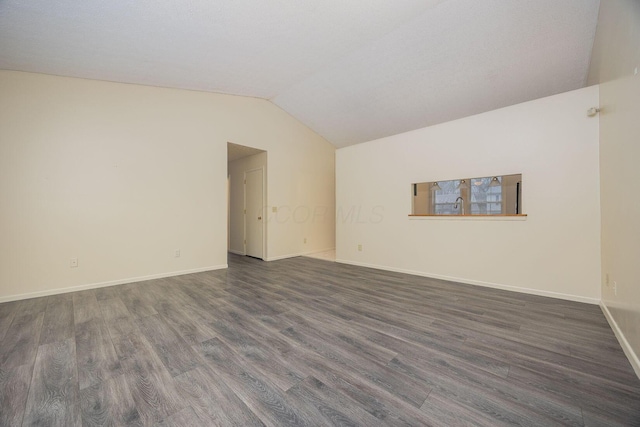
x: 276, y: 258
x: 108, y: 283
x: 626, y: 347
x: 320, y: 251
x: 233, y: 251
x: 530, y: 291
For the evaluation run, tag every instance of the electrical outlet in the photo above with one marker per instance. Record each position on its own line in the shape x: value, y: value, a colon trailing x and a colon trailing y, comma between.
x: 615, y: 288
x: 305, y: 240
x: 274, y: 209
x: 359, y: 248
x: 73, y: 263
x: 177, y: 253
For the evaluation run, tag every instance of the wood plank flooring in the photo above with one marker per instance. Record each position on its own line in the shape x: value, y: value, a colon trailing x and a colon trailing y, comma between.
x: 307, y: 342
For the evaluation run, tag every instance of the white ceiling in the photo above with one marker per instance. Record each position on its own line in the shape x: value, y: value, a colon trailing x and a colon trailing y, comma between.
x: 352, y: 70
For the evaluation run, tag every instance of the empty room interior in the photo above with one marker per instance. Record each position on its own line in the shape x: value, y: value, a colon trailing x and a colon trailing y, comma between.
x: 276, y: 213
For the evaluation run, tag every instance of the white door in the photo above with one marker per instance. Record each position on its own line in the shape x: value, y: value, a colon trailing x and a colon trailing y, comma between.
x: 253, y: 217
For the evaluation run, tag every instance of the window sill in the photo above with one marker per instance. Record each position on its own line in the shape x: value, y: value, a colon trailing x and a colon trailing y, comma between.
x: 514, y: 217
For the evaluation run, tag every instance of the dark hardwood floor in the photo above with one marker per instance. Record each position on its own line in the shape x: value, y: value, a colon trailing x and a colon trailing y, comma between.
x: 310, y: 342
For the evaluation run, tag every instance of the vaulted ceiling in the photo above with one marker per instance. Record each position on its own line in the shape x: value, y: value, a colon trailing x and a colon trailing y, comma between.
x: 352, y: 70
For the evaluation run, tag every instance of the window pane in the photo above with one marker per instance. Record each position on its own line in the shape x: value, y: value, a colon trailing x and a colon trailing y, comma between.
x: 485, y: 199
x: 445, y: 198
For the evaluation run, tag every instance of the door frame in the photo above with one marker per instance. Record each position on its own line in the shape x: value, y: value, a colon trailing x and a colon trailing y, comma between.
x: 263, y: 207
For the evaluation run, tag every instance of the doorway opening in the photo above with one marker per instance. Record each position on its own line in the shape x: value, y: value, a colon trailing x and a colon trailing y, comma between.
x: 246, y: 174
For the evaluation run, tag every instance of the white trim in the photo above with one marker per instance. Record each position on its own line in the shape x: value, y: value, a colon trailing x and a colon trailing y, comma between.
x: 108, y: 283
x: 279, y: 257
x: 318, y: 251
x: 512, y: 288
x: 468, y: 218
x: 626, y: 347
x: 233, y: 251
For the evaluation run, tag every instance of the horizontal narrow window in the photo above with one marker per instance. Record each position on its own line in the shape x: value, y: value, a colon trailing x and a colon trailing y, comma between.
x: 491, y: 195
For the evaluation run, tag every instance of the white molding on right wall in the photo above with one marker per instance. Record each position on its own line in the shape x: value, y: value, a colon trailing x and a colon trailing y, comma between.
x: 538, y: 292
x: 626, y: 347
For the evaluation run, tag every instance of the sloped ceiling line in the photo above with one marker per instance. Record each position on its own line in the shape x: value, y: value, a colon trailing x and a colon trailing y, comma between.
x: 352, y: 71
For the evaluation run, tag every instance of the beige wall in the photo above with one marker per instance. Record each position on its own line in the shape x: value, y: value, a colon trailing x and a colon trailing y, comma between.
x: 120, y: 176
x: 237, y: 168
x: 554, y: 252
x: 615, y: 62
